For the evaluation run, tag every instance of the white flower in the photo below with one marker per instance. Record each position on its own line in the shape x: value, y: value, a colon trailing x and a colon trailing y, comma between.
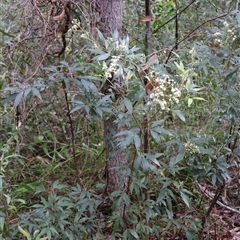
x: 192, y: 51
x: 112, y: 67
x: 176, y: 92
x: 216, y: 34
x: 226, y: 24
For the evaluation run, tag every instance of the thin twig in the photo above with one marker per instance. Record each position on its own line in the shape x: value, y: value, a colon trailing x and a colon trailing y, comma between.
x: 176, y: 15
x: 209, y: 195
x: 72, y: 135
x: 191, y: 32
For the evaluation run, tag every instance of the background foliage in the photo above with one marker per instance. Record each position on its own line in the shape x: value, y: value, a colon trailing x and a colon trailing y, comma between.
x: 52, y: 168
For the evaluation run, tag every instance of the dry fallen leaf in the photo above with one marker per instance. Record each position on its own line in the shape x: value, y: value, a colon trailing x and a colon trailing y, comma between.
x: 148, y: 18
x: 60, y: 16
x: 150, y: 62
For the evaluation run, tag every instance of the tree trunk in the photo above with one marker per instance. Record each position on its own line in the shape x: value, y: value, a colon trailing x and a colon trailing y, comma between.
x: 111, y: 20
x: 116, y: 158
x: 111, y: 16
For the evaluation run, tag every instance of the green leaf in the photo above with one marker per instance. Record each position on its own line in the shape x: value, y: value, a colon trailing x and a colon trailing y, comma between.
x: 115, y: 34
x: 133, y: 233
x: 96, y: 51
x: 188, y: 85
x: 37, y: 93
x: 101, y: 36
x: 155, y: 136
x: 18, y: 99
x: 79, y: 106
x: 180, y: 67
x: 190, y: 101
x: 25, y: 187
x: 162, y: 131
x: 24, y: 232
x: 153, y: 157
x: 8, y: 198
x: 176, y: 159
x: 128, y: 105
x: 56, y: 185
x: 12, y: 89
x: 157, y: 123
x: 179, y: 114
x: 89, y: 86
x: 199, y: 98
x: 137, y: 141
x: 6, y: 33
x: 102, y: 57
x: 2, y: 222
x: 185, y: 198
x: 27, y: 91
x: 162, y: 195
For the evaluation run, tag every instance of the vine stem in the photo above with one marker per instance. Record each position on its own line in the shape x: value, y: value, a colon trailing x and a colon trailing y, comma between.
x: 73, y: 146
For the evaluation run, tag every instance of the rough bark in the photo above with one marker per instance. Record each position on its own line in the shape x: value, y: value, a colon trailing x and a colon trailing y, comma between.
x: 111, y: 20
x: 111, y: 16
x: 116, y: 158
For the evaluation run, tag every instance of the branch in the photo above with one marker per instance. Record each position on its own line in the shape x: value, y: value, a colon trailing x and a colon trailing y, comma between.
x: 209, y: 195
x: 194, y: 30
x: 176, y: 15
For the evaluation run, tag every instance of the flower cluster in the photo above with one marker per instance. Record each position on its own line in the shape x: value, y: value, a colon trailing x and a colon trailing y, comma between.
x: 75, y: 24
x: 231, y: 32
x: 112, y: 68
x: 120, y: 46
x: 191, y: 148
x: 217, y: 38
x: 166, y: 93
x: 225, y: 35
